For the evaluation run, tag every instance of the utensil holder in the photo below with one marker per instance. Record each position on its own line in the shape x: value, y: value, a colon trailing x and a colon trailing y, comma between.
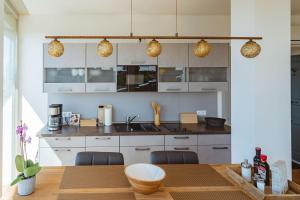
x: 157, y: 119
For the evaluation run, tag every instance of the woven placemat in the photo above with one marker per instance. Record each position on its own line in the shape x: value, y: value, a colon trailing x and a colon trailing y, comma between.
x: 112, y: 176
x: 211, y: 195
x: 102, y: 196
x: 193, y: 176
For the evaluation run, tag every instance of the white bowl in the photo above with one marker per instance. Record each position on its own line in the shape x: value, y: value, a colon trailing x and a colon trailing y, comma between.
x: 145, y: 178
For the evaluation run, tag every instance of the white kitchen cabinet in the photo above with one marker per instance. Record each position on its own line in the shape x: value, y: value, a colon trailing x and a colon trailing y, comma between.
x: 173, y: 87
x: 64, y: 87
x: 214, y: 154
x: 138, y: 154
x: 63, y: 156
x: 73, y: 57
x: 173, y: 55
x: 93, y: 60
x: 102, y: 141
x: 214, y: 139
x: 218, y: 57
x: 208, y: 86
x: 62, y: 142
x: 182, y: 148
x: 101, y: 87
x: 134, y: 54
x: 132, y: 141
x: 102, y: 149
x: 181, y: 140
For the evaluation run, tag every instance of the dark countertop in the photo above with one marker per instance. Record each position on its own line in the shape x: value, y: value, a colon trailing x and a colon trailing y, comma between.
x: 73, y: 131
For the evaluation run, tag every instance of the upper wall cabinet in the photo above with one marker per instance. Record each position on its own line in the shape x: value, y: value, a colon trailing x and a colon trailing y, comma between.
x: 218, y: 57
x: 173, y: 55
x: 93, y: 60
x: 73, y: 57
x: 134, y: 54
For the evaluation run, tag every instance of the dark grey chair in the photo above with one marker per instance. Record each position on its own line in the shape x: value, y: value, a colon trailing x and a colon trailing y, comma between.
x: 99, y: 158
x: 174, y: 157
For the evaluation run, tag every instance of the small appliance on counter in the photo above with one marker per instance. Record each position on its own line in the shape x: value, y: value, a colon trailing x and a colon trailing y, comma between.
x: 55, y: 120
x: 214, y: 122
x: 100, y: 118
x: 108, y: 115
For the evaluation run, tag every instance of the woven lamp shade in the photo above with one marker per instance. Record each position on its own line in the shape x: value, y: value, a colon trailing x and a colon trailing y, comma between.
x: 202, y: 49
x: 55, y: 48
x: 250, y: 49
x: 154, y: 48
x: 104, y: 48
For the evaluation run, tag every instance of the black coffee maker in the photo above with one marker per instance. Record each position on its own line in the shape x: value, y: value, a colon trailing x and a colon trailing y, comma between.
x: 55, y: 120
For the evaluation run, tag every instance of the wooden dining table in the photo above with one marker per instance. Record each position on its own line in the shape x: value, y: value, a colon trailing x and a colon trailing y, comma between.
x: 51, y: 186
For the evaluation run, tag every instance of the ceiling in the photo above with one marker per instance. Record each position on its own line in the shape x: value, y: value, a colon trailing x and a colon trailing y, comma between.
x: 187, y: 7
x: 190, y: 7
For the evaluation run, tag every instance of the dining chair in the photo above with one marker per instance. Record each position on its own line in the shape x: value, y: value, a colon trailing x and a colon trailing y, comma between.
x: 99, y: 158
x: 174, y: 157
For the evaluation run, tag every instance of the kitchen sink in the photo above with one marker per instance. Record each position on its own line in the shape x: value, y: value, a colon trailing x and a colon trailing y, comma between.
x: 136, y: 127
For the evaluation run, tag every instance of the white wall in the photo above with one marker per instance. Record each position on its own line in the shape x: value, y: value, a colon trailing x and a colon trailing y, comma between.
x: 261, y: 114
x: 1, y: 89
x: 33, y: 29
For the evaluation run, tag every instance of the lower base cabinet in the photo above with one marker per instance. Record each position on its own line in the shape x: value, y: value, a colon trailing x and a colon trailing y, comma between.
x: 58, y: 156
x: 214, y: 154
x: 103, y: 149
x: 139, y: 154
x: 182, y: 148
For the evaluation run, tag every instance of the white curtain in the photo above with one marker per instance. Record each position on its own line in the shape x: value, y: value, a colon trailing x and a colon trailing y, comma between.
x: 9, y: 94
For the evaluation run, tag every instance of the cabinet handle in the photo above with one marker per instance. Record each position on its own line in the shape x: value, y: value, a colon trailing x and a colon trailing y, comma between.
x: 209, y: 89
x: 62, y: 150
x: 65, y: 89
x: 181, y: 148
x: 101, y: 90
x: 220, y: 148
x: 142, y: 149
x: 173, y: 89
x: 181, y: 138
x: 103, y: 138
x: 62, y: 139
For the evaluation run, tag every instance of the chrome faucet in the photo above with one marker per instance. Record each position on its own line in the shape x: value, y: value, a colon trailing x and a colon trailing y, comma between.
x: 129, y: 118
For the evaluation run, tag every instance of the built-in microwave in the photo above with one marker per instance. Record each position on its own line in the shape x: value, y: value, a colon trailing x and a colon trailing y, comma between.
x: 137, y: 78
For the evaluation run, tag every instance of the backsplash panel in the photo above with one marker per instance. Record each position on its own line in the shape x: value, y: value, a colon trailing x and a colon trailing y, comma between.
x: 137, y: 103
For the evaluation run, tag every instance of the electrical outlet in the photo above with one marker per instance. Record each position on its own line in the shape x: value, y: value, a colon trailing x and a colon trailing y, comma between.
x: 201, y: 113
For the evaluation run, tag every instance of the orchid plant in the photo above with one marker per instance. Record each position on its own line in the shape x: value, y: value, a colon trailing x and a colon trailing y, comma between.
x: 26, y: 167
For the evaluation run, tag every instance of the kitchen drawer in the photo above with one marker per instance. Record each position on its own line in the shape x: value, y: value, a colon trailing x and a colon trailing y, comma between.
x: 132, y: 141
x: 181, y: 140
x: 62, y: 142
x: 172, y: 87
x: 182, y: 148
x: 214, y: 139
x: 214, y: 154
x: 64, y: 87
x: 140, y: 154
x: 58, y: 156
x: 102, y: 141
x: 101, y: 87
x: 207, y: 86
x: 102, y: 149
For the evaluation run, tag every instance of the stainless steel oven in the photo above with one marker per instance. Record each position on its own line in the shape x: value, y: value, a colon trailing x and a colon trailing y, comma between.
x: 137, y: 78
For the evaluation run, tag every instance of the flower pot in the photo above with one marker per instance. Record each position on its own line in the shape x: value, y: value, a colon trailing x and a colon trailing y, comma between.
x: 26, y: 186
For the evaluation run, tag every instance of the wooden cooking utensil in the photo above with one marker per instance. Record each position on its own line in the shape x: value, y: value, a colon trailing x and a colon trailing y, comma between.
x: 156, y: 109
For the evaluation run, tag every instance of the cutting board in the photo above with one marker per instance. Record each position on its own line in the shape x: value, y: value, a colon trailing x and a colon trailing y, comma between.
x: 188, y: 118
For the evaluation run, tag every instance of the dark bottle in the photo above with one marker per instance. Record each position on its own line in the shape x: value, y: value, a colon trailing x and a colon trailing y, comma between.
x: 256, y: 159
x: 264, y: 169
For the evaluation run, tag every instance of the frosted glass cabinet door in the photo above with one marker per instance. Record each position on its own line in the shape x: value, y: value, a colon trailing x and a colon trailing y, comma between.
x: 73, y: 57
x: 134, y: 54
x: 93, y: 60
x: 218, y: 57
x: 173, y: 55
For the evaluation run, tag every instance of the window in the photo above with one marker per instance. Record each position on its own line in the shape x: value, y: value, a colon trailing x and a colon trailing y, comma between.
x: 10, y: 105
